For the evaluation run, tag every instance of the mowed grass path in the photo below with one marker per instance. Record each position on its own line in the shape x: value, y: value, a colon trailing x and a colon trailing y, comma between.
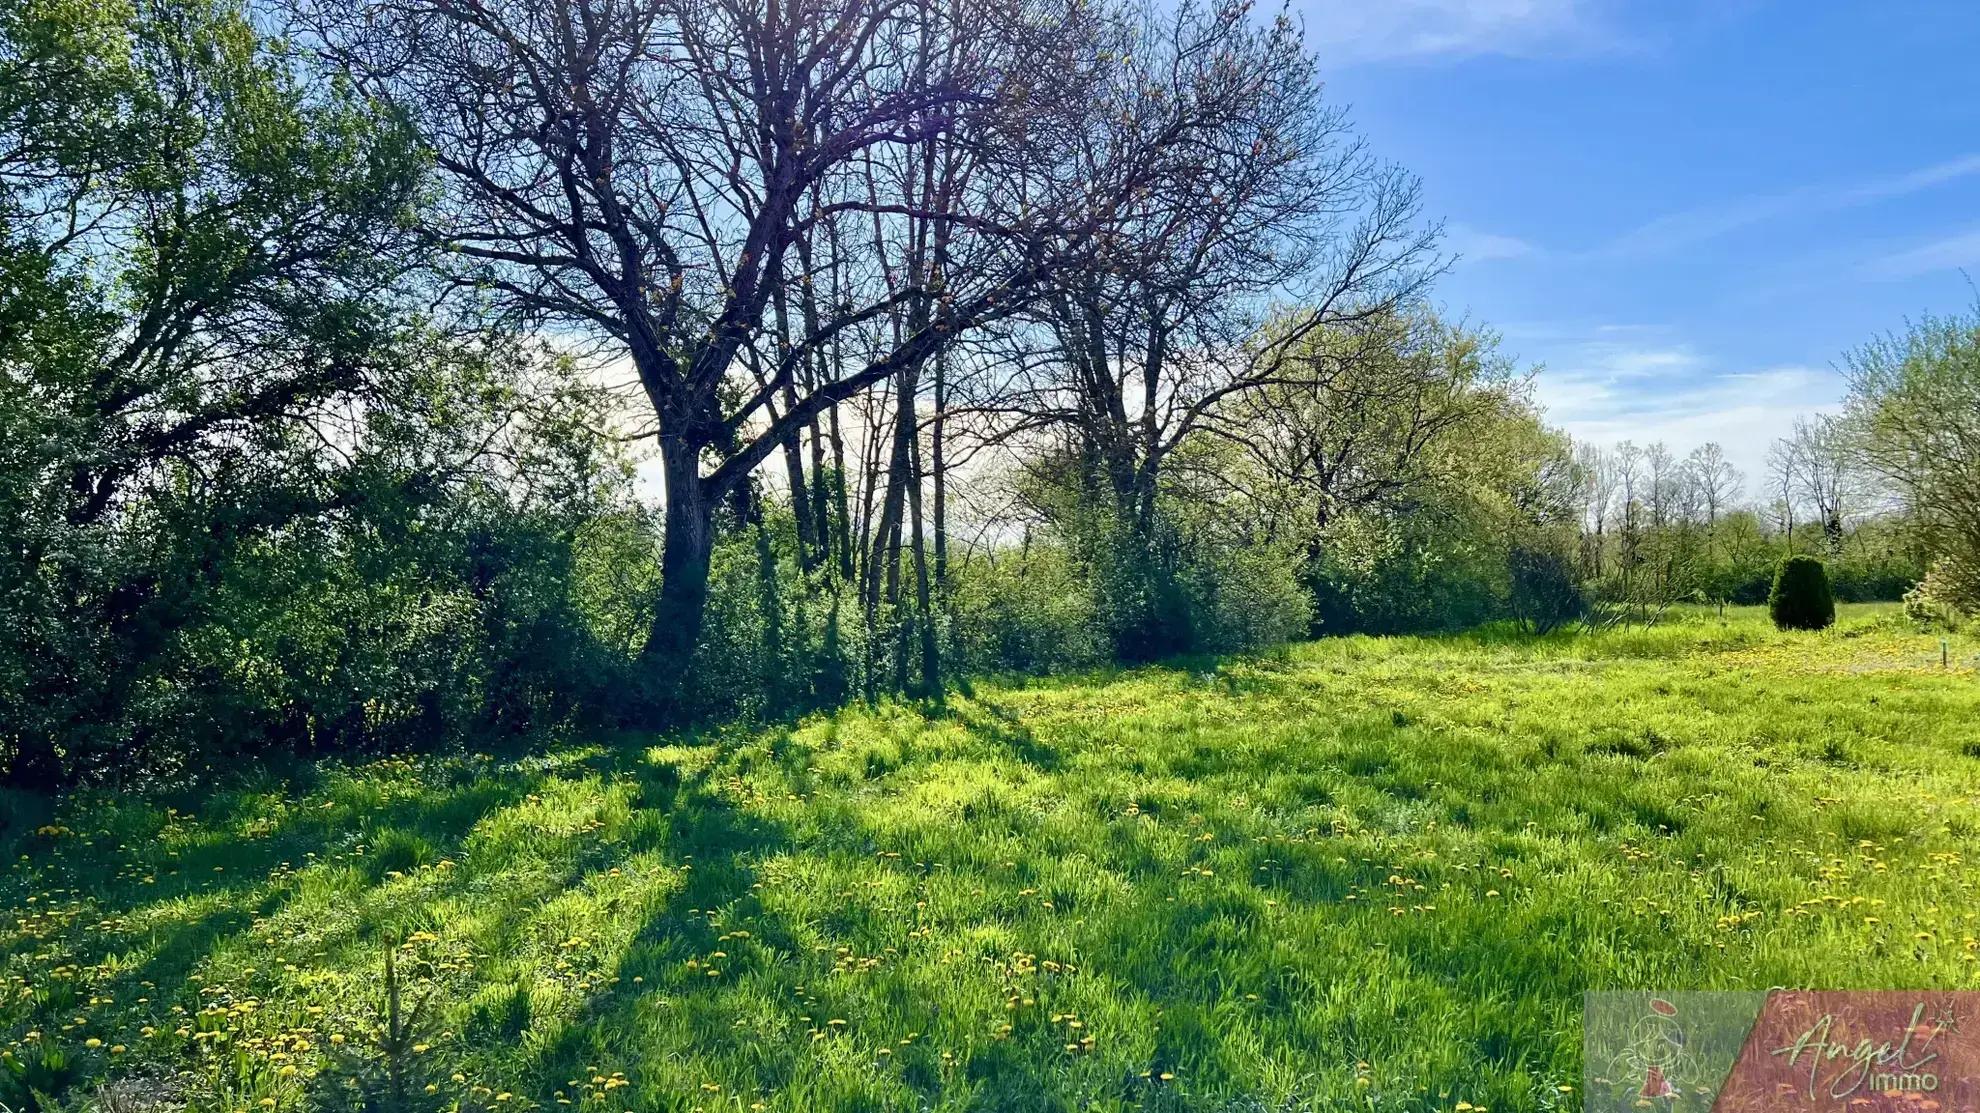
x: 1372, y: 873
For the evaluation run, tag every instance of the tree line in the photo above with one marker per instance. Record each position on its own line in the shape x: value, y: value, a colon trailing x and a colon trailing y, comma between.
x: 1024, y: 334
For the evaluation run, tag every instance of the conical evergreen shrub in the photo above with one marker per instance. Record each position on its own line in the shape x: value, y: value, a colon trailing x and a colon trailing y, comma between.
x: 1801, y: 599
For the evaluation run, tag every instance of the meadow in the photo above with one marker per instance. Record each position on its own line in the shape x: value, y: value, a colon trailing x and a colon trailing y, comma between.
x: 1359, y: 873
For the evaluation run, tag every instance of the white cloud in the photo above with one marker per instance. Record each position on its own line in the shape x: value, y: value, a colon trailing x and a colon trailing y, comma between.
x: 1962, y: 249
x: 1605, y: 392
x: 1368, y: 30
x: 1475, y: 246
x: 1694, y: 226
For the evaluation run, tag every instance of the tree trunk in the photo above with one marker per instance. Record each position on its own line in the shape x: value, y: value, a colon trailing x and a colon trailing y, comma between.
x: 931, y: 656
x: 939, y: 466
x: 807, y: 537
x: 793, y: 451
x: 827, y: 532
x: 667, y: 663
x: 776, y: 673
x: 841, y: 511
x: 888, y: 531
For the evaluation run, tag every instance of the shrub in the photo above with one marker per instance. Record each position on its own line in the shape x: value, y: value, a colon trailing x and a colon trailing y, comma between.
x: 1375, y: 576
x: 1927, y: 612
x: 1955, y: 582
x: 1935, y: 603
x: 1544, y: 593
x: 1801, y: 599
x: 1028, y: 611
x: 1248, y: 597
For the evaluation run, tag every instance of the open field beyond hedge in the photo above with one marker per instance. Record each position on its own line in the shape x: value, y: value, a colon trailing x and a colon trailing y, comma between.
x: 1373, y: 873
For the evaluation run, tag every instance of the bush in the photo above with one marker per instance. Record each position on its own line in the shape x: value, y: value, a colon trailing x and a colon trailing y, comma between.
x: 1928, y: 612
x: 1248, y: 597
x: 1801, y: 599
x: 1544, y: 594
x: 1955, y: 583
x: 1377, y: 576
x: 1029, y: 611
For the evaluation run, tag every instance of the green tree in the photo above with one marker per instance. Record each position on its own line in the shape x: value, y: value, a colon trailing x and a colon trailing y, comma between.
x: 1914, y: 408
x: 196, y: 241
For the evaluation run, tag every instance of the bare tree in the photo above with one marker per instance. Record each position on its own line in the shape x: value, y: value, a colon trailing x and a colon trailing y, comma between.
x: 1784, y: 483
x: 646, y: 176
x: 1275, y: 200
x: 1627, y: 462
x: 1824, y: 474
x: 1598, y: 495
x: 1664, y: 477
x: 1718, y: 483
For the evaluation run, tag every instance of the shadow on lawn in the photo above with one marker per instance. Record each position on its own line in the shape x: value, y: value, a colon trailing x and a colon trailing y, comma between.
x: 136, y: 901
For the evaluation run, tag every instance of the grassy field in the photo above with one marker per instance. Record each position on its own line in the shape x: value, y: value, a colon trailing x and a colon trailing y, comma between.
x: 1370, y: 873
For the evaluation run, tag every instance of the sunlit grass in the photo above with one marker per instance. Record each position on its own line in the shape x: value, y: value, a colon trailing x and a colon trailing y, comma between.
x: 1375, y: 873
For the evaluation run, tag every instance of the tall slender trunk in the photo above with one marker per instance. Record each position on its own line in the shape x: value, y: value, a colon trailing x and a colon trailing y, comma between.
x: 842, y: 511
x: 931, y: 657
x: 939, y: 467
x: 807, y: 532
x: 821, y: 506
x: 901, y: 619
x: 888, y: 527
x: 777, y: 676
x: 667, y: 662
x: 828, y: 532
x: 870, y: 478
x: 793, y: 450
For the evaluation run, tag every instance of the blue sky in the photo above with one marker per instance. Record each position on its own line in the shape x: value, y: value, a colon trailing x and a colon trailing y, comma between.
x: 1686, y: 210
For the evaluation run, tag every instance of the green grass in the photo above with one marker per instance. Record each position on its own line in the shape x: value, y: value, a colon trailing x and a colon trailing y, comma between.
x: 1375, y: 873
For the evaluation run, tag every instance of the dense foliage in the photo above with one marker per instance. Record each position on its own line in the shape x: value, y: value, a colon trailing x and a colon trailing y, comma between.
x: 248, y: 499
x: 1801, y: 599
x: 339, y: 414
x: 1915, y: 410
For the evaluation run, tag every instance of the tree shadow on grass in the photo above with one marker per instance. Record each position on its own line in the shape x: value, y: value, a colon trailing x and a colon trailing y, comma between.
x: 156, y: 909
x: 732, y: 992
x: 1003, y: 727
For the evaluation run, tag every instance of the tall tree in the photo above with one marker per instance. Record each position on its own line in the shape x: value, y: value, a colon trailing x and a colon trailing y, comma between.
x: 1627, y: 461
x: 196, y: 254
x: 1273, y: 200
x: 1663, y: 483
x: 1784, y: 483
x: 1367, y: 415
x: 1914, y: 410
x: 1824, y: 473
x: 640, y: 173
x: 1598, y: 478
x: 1718, y: 482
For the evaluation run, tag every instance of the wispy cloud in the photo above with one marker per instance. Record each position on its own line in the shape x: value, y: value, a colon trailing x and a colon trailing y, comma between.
x: 1475, y: 246
x: 1602, y: 392
x: 1961, y: 249
x: 1694, y: 226
x: 1370, y: 30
